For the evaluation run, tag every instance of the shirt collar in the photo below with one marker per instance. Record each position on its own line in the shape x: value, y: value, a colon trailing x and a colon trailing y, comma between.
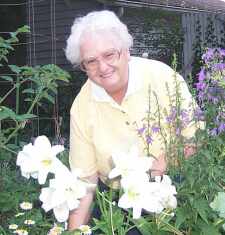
x: 134, y: 84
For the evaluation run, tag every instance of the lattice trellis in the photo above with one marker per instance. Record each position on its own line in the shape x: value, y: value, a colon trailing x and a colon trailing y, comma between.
x: 33, y: 38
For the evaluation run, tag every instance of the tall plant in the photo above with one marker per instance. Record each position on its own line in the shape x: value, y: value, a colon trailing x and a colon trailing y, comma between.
x: 32, y: 85
x: 200, y: 45
x: 29, y: 87
x: 197, y: 179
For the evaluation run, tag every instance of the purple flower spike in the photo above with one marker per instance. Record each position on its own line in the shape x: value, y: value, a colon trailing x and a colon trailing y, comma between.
x: 172, y: 115
x: 208, y: 56
x: 155, y: 129
x: 201, y: 75
x: 141, y: 130
x: 199, y: 114
x: 221, y: 52
x: 219, y: 66
x: 178, y: 131
x: 149, y: 139
x: 168, y: 119
x: 213, y: 132
x: 221, y: 128
x: 185, y: 117
x: 200, y: 86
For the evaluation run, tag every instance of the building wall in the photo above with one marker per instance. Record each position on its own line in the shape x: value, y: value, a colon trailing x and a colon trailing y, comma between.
x: 51, y: 20
x: 50, y: 23
x: 197, y: 30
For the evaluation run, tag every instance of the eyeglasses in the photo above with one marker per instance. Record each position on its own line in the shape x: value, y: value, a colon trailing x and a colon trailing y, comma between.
x: 109, y: 57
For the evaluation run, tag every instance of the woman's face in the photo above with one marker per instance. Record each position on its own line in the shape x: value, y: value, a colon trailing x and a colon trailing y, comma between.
x: 105, y: 62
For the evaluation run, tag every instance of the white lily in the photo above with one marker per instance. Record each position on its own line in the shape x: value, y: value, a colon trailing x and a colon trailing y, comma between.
x: 39, y: 159
x: 63, y: 194
x: 153, y: 197
x: 134, y: 193
x: 167, y: 192
x: 161, y: 195
x: 125, y: 163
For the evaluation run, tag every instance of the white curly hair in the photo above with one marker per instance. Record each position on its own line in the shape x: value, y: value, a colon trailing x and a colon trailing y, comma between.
x: 96, y: 22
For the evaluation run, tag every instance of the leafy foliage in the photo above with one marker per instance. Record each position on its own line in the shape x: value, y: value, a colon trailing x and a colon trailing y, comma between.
x: 199, y: 179
x: 32, y: 87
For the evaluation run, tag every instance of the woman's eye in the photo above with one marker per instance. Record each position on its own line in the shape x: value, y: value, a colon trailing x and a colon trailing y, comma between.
x: 89, y: 62
x: 109, y: 55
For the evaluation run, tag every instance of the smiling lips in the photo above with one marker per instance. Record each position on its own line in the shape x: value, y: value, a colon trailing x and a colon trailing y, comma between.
x: 108, y: 75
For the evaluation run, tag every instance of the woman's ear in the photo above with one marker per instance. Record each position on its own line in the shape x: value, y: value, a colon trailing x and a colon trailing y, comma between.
x: 128, y: 54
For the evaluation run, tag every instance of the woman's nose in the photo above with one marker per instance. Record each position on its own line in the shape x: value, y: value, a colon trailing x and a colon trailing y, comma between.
x: 102, y: 66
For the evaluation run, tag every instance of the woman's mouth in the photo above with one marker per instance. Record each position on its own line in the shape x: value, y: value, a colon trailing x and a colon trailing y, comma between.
x: 106, y: 76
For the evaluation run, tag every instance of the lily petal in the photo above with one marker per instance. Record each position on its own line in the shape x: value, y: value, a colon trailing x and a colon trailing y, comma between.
x: 137, y: 212
x: 57, y: 149
x: 61, y: 213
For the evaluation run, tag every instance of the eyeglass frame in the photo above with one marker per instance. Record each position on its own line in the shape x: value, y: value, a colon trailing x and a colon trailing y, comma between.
x: 96, y: 60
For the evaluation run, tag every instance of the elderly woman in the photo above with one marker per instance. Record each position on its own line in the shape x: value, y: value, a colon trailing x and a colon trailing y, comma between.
x: 113, y: 102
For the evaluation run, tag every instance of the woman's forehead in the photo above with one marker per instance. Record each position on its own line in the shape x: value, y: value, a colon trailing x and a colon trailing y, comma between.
x: 94, y: 44
x: 101, y: 35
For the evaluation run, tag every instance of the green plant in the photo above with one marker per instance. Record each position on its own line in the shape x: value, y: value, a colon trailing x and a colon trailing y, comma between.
x: 32, y: 87
x: 199, y: 178
x: 197, y: 209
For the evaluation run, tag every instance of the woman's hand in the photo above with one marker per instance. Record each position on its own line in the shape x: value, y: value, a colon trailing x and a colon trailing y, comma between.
x: 189, y: 150
x: 81, y: 215
x: 159, y: 166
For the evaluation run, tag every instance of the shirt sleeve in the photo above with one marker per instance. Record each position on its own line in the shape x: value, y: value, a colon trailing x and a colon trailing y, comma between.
x: 82, y: 153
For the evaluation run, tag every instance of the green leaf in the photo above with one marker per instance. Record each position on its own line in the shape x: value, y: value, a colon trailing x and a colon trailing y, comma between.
x: 6, y: 45
x: 181, y: 216
x: 118, y: 218
x: 7, y: 202
x: 13, y: 38
x: 6, y: 113
x: 74, y: 232
x: 50, y: 98
x: 28, y: 99
x: 23, y: 29
x: 29, y: 90
x: 13, y: 147
x: 202, y: 207
x: 24, y: 117
x: 207, y: 153
x: 223, y: 226
x: 144, y: 226
x: 218, y: 204
x: 101, y: 225
x: 15, y: 69
x: 2, y: 231
x: 7, y: 78
x: 4, y: 58
x: 5, y: 156
x: 53, y: 88
x: 209, y: 229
